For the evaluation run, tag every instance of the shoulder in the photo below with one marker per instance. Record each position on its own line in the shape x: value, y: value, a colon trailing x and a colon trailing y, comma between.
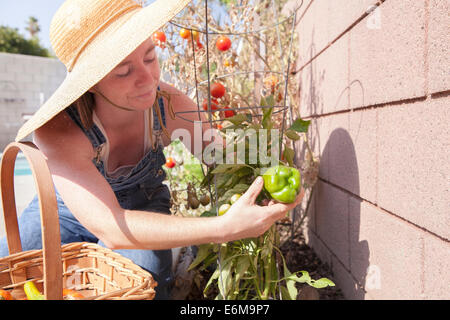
x: 61, y: 137
x: 177, y: 97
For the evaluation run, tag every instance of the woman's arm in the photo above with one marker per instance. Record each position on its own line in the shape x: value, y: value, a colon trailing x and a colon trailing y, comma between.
x: 92, y: 201
x: 197, y: 139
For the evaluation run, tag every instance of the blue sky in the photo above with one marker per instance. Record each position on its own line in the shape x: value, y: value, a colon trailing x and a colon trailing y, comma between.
x: 15, y: 13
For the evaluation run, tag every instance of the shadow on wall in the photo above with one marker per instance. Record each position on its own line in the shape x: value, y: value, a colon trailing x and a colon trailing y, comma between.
x: 338, y: 219
x: 336, y: 216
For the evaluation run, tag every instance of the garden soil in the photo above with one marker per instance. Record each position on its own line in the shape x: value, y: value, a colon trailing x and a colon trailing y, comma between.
x: 298, y: 257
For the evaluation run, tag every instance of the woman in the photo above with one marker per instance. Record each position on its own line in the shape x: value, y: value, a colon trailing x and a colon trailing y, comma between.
x: 102, y: 133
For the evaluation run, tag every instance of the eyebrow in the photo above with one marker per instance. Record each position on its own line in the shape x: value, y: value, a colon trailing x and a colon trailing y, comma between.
x: 146, y: 53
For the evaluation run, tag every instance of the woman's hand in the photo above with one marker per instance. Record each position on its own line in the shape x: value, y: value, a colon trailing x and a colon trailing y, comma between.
x: 246, y: 219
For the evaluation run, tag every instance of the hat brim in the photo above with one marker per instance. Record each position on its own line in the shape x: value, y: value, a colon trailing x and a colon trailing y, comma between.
x: 102, y: 55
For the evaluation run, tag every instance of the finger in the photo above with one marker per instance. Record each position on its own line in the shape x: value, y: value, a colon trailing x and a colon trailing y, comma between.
x: 253, y: 191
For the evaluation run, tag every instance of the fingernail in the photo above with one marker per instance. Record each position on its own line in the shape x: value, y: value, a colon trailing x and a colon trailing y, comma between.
x: 259, y: 180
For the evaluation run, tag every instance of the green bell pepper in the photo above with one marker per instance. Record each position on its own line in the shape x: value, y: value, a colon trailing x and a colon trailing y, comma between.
x: 283, y: 183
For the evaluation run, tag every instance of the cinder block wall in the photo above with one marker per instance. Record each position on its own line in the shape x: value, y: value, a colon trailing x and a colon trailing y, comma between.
x: 25, y: 83
x: 374, y: 81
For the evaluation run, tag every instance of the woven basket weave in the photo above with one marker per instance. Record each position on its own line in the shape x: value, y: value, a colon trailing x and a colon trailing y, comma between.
x: 96, y: 272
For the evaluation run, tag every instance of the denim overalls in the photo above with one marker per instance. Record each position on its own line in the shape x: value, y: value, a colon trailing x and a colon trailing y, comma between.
x: 141, y: 189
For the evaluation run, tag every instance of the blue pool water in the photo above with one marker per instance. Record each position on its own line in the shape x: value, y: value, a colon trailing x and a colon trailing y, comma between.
x: 21, y: 167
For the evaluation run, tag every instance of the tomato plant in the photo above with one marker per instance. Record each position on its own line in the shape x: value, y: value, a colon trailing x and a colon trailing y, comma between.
x: 250, y: 74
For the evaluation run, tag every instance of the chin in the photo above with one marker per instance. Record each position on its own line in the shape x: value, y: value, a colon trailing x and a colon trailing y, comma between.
x: 144, y: 103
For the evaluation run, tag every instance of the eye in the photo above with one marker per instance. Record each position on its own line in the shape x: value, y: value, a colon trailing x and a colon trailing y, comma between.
x: 123, y: 72
x: 148, y: 61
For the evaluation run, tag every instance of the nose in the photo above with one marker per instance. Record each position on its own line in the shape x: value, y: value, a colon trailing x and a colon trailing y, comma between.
x: 144, y: 76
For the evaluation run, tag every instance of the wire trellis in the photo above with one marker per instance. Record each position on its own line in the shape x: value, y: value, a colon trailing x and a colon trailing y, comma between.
x: 279, y: 108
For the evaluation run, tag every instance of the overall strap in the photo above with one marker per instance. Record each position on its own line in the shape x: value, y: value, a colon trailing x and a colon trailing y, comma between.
x: 94, y: 134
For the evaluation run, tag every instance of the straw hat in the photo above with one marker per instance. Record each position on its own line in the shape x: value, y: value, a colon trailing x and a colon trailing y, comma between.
x: 91, y: 37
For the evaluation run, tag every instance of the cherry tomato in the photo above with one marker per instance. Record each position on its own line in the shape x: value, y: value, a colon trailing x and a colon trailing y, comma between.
x: 214, y: 104
x: 170, y: 163
x: 196, y: 35
x: 217, y: 90
x: 185, y: 33
x: 199, y: 46
x: 223, y: 43
x: 228, y: 113
x: 159, y: 38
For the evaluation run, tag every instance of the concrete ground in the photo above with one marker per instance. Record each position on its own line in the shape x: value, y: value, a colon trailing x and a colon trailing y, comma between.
x: 24, y: 193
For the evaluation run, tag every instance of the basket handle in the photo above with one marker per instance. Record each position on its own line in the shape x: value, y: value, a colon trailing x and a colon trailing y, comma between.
x: 51, y: 239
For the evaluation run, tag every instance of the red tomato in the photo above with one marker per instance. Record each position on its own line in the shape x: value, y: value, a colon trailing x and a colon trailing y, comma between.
x: 214, y: 104
x: 228, y: 113
x: 217, y: 90
x: 223, y: 43
x: 159, y: 38
x: 170, y: 163
x: 199, y: 46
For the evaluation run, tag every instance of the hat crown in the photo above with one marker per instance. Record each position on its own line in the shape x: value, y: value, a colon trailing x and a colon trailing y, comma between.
x: 77, y: 22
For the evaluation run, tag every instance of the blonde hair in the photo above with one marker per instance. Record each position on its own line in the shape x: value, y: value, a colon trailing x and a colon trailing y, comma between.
x: 85, y: 106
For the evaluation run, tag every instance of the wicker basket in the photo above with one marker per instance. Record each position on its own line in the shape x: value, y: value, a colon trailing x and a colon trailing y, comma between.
x: 96, y: 272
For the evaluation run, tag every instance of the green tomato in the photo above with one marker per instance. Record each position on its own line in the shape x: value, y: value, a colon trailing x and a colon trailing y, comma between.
x: 234, y: 198
x: 224, y: 208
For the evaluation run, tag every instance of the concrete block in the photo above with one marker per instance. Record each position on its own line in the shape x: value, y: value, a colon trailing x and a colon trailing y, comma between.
x: 436, y: 261
x: 342, y: 14
x: 439, y: 46
x: 332, y: 220
x: 413, y: 167
x: 386, y: 253
x: 388, y: 63
x: 312, y: 30
x: 361, y: 171
x: 324, y: 81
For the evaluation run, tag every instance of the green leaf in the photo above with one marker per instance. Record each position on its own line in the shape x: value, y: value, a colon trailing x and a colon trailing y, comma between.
x: 285, y: 293
x: 228, y: 168
x: 239, y: 188
x: 321, y: 283
x: 304, y: 278
x: 270, y: 100
x: 288, y: 154
x: 292, y: 290
x: 291, y: 134
x: 300, y: 125
x: 237, y: 119
x: 267, y: 118
x: 203, y: 252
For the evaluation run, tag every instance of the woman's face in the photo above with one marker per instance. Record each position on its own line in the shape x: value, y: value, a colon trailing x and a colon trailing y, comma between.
x: 133, y: 83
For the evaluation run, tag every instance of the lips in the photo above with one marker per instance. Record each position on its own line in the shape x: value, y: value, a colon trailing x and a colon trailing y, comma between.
x: 145, y: 96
